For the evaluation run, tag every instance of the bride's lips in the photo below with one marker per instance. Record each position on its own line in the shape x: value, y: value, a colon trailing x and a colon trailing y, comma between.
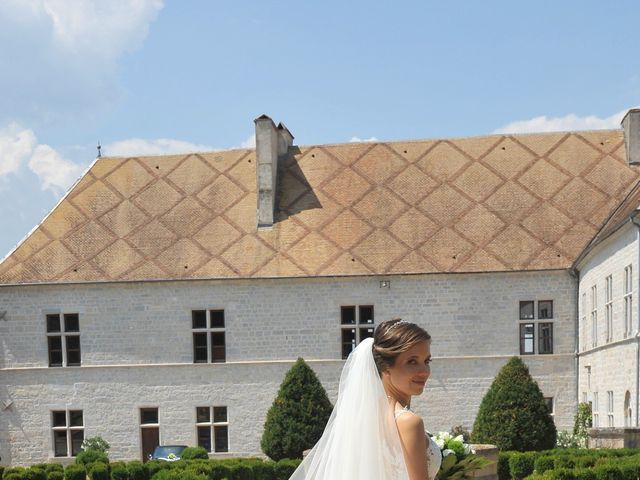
x: 420, y: 382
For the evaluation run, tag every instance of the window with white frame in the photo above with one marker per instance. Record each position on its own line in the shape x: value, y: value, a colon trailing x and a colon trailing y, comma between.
x: 608, y: 308
x: 530, y: 318
x: 583, y: 305
x: 67, y: 430
x: 594, y: 315
x: 628, y: 304
x: 610, y: 408
x: 208, y: 336
x: 595, y: 414
x: 63, y: 339
x: 356, y: 323
x: 212, y: 429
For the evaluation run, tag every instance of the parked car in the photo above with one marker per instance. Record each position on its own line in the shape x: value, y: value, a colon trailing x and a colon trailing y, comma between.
x: 169, y: 453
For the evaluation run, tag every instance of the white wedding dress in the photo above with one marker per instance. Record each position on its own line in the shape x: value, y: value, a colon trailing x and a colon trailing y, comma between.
x: 361, y: 440
x: 434, y: 455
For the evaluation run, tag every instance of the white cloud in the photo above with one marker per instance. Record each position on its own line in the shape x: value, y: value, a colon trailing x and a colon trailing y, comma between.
x: 55, y: 173
x: 160, y: 146
x: 16, y: 145
x: 561, y: 124
x: 19, y: 147
x: 358, y: 139
x: 249, y: 142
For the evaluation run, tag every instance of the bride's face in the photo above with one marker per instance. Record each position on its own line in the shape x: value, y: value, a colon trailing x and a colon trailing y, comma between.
x: 411, y: 369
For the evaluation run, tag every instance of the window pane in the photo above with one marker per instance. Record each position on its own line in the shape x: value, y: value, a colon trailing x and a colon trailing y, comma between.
x: 53, y: 323
x: 73, y: 350
x: 366, y: 314
x: 199, y: 319
x: 217, y: 347
x: 77, y: 436
x: 545, y: 335
x: 55, y: 351
x: 526, y: 338
x: 204, y: 438
x: 217, y: 318
x: 71, y: 323
x: 148, y: 415
x: 60, y: 444
x: 219, y: 414
x: 200, y: 348
x: 348, y: 315
x: 366, y: 333
x: 348, y: 341
x: 545, y: 309
x: 526, y: 310
x: 549, y: 402
x: 75, y: 418
x: 221, y: 434
x: 203, y: 414
x: 59, y: 419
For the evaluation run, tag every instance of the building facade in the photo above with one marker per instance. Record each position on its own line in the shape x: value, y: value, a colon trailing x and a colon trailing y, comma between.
x: 164, y: 298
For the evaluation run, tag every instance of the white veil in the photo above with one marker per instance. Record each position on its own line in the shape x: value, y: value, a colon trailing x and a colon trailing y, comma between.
x: 360, y: 441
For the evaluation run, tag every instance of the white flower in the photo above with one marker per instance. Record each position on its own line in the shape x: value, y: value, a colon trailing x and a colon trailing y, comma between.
x: 447, y: 452
x: 439, y: 442
x: 467, y: 449
x: 459, y: 438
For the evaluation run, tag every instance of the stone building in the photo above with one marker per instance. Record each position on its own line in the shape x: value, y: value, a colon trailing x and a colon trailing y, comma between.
x: 164, y: 298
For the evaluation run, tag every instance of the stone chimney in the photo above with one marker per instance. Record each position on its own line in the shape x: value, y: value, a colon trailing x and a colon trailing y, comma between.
x: 272, y: 144
x: 631, y: 126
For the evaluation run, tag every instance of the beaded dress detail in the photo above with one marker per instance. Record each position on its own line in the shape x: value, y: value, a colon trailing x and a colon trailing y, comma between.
x: 434, y: 456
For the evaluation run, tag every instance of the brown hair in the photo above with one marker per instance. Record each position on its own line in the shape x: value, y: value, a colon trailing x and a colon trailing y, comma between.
x: 393, y: 337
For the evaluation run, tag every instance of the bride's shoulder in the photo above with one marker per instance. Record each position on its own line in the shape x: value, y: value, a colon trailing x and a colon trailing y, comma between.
x: 410, y: 422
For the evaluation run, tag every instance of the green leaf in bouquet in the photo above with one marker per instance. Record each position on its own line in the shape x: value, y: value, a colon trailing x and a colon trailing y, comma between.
x: 448, y: 462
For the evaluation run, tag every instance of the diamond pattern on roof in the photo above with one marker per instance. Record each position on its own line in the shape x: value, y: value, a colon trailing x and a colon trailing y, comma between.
x: 495, y: 203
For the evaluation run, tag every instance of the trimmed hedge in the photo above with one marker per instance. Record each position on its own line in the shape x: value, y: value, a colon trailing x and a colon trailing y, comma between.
x: 191, y: 453
x: 75, y: 472
x: 98, y: 471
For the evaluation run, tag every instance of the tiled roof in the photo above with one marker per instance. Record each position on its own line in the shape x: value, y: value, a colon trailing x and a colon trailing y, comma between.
x: 493, y: 203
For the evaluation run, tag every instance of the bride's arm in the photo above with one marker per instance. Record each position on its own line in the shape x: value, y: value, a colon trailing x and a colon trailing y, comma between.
x: 414, y: 445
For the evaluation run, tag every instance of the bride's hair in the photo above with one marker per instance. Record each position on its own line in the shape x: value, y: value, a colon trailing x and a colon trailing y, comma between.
x: 393, y: 337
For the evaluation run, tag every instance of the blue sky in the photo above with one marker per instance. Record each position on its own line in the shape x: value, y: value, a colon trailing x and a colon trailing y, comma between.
x: 154, y: 76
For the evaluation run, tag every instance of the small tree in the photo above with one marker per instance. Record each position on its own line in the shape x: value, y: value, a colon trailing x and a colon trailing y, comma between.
x: 513, y: 414
x: 299, y: 413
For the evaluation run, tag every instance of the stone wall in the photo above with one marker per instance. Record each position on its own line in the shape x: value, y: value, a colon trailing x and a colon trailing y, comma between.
x: 137, y: 351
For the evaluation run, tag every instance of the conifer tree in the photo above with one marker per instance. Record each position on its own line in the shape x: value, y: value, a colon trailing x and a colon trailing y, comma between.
x: 299, y: 413
x: 513, y: 414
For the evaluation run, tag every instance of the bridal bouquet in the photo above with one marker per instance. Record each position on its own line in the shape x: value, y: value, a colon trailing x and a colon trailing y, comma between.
x: 458, y: 458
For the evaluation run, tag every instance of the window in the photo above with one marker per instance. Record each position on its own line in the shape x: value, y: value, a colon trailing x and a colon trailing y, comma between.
x: 594, y: 411
x: 67, y: 427
x: 594, y: 316
x: 208, y: 336
x: 627, y: 409
x: 356, y: 325
x: 610, y: 408
x: 527, y: 311
x: 628, y: 287
x: 526, y: 338
x: 212, y: 428
x: 608, y: 308
x: 584, y: 321
x: 63, y: 339
x: 545, y: 337
x: 584, y: 397
x: 549, y: 402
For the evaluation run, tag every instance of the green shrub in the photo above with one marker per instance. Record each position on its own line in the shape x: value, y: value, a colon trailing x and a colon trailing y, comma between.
x: 35, y: 473
x: 1, y: 471
x: 584, y: 474
x: 543, y: 463
x: 562, y: 474
x: 85, y: 457
x: 98, y: 471
x: 219, y: 471
x: 585, y: 462
x: 503, y: 465
x: 119, y: 471
x: 14, y: 473
x: 55, y: 475
x: 191, y: 453
x: 298, y: 415
x: 95, y: 443
x: 154, y: 466
x: 263, y: 470
x: 521, y: 465
x: 166, y: 474
x: 513, y: 414
x: 564, y: 462
x: 283, y: 469
x: 241, y: 472
x: 53, y: 467
x: 75, y: 472
x: 189, y: 474
x: 608, y: 472
x: 137, y: 470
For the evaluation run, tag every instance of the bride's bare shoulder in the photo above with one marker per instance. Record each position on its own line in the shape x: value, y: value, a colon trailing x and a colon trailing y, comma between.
x: 410, y: 423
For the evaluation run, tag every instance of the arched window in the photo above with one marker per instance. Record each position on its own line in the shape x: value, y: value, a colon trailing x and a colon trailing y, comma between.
x: 627, y: 409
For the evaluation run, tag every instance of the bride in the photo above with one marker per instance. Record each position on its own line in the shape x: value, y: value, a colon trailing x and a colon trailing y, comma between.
x: 372, y: 433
